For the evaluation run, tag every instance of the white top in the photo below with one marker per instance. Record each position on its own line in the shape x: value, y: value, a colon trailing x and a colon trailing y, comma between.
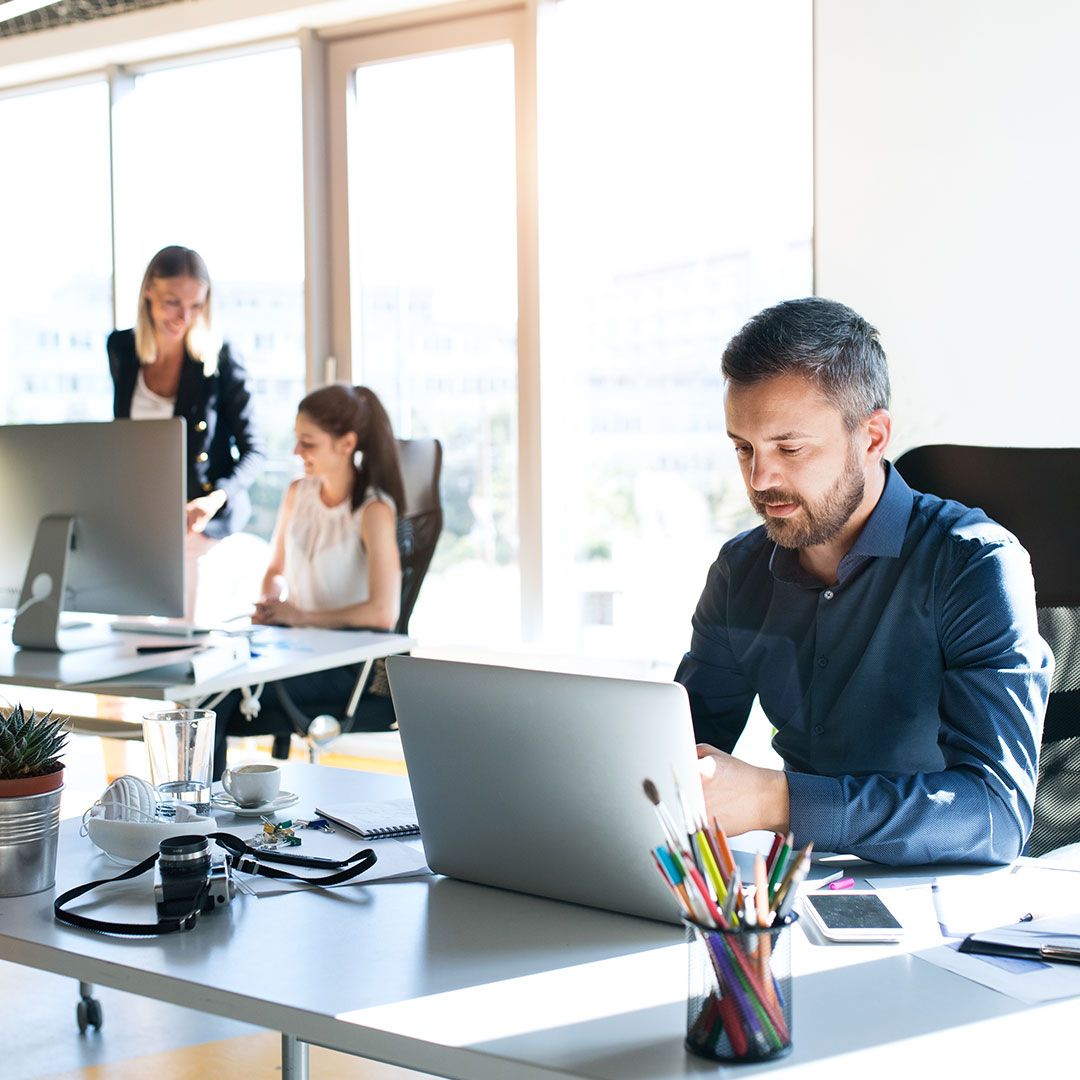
x: 325, y: 561
x: 146, y: 405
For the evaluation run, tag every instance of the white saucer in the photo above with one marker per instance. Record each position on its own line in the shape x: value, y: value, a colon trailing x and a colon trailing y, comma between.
x: 221, y: 801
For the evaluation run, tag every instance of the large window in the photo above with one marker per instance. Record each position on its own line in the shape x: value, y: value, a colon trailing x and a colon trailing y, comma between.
x: 675, y: 202
x: 209, y: 156
x: 55, y: 264
x: 571, y: 370
x: 434, y: 308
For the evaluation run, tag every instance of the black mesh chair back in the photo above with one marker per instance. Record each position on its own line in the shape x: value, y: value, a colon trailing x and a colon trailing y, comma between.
x: 420, y: 524
x: 418, y: 529
x: 1035, y: 494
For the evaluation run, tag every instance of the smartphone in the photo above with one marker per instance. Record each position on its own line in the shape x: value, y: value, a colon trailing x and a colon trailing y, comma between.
x: 852, y: 916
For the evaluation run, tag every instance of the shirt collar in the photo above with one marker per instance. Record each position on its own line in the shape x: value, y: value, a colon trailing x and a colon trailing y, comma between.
x: 882, y: 535
x: 886, y: 527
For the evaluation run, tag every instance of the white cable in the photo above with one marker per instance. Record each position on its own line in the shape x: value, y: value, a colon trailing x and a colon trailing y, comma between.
x: 249, y: 700
x: 40, y: 589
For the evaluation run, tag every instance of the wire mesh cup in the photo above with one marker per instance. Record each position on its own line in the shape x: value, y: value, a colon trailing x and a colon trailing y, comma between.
x: 738, y: 1003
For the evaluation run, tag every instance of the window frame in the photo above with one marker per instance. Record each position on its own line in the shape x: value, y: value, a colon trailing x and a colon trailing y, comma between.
x: 518, y: 28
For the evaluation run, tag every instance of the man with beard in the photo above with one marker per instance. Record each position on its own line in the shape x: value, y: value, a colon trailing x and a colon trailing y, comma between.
x: 889, y: 635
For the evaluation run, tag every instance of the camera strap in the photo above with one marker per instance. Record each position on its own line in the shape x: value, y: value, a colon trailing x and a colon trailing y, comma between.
x: 240, y: 856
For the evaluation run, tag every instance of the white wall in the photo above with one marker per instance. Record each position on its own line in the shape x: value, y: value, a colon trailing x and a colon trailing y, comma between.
x: 947, y: 164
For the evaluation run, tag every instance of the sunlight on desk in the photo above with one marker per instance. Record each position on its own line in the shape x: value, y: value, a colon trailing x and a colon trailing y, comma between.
x: 549, y: 999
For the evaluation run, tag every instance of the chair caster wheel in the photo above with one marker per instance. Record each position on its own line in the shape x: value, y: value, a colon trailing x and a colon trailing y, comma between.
x: 88, y: 1014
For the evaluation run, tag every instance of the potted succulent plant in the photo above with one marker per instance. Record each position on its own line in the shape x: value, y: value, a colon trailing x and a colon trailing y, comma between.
x: 31, y: 781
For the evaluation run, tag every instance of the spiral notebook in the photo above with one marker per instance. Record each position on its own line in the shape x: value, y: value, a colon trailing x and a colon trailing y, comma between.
x: 374, y: 820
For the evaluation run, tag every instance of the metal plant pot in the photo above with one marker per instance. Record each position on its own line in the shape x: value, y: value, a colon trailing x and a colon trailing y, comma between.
x: 29, y: 825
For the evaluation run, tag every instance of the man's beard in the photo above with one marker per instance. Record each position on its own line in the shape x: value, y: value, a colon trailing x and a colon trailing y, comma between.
x: 821, y: 520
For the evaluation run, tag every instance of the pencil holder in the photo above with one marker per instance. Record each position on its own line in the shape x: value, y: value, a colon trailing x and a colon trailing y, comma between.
x: 738, y: 1003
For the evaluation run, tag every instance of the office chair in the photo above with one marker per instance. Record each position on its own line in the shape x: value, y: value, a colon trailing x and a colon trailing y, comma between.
x: 1035, y: 494
x: 369, y: 707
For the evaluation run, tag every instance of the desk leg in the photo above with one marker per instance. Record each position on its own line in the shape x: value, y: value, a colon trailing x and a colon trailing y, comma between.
x: 358, y: 689
x: 294, y: 1058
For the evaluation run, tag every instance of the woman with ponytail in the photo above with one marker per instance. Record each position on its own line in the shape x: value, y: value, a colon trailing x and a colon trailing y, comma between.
x: 334, y: 558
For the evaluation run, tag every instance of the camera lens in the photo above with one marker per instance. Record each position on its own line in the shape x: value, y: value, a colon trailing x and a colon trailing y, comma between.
x: 183, y: 856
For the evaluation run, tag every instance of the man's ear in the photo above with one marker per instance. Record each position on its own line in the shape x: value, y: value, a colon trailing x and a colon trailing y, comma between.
x: 878, y: 431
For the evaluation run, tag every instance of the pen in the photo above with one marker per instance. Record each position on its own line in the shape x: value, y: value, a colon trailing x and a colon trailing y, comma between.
x: 797, y: 865
x: 711, y: 870
x: 845, y: 883
x: 761, y: 891
x: 730, y: 908
x: 781, y: 863
x: 689, y: 821
x: 788, y: 900
x: 773, y: 852
x: 727, y: 859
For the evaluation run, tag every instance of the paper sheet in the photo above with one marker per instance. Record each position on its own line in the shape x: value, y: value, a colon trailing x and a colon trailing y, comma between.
x: 394, y: 859
x: 967, y: 903
x: 1030, y: 981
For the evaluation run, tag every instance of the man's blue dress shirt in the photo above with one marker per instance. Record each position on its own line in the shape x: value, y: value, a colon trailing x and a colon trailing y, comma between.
x: 908, y: 698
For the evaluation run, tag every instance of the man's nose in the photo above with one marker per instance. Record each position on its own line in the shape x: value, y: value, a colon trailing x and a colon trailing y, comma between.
x: 764, y: 474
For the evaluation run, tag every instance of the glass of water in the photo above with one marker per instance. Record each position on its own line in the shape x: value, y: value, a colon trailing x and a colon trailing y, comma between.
x: 180, y: 745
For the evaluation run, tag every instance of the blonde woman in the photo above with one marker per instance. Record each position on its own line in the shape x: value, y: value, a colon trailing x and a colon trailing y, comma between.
x: 169, y: 364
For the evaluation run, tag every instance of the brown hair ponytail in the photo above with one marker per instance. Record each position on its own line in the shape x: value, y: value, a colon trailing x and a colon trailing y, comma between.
x: 339, y: 409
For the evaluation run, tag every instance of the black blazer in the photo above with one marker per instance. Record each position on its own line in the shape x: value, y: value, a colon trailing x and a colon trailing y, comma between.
x: 224, y: 448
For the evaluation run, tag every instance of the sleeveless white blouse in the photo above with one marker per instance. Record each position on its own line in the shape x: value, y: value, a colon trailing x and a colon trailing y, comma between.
x: 325, y: 561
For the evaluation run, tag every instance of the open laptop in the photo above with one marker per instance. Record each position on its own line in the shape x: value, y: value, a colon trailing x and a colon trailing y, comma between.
x: 532, y: 780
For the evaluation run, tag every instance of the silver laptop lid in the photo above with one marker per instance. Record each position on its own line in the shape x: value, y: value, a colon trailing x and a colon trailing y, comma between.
x: 532, y: 780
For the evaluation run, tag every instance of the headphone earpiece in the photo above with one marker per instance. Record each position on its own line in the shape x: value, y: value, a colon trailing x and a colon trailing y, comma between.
x: 124, y: 822
x: 127, y: 798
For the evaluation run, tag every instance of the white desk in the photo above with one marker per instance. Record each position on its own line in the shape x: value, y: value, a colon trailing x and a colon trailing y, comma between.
x: 277, y: 653
x: 476, y: 983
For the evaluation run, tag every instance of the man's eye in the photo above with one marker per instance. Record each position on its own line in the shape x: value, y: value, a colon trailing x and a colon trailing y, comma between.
x: 742, y: 451
x: 789, y: 450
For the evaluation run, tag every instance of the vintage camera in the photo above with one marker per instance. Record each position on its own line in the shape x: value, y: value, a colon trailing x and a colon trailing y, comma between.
x: 188, y: 877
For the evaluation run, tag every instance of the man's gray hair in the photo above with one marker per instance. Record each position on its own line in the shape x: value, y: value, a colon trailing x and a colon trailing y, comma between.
x: 821, y: 340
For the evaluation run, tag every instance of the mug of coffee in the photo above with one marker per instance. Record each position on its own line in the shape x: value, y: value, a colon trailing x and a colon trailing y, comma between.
x: 252, y: 785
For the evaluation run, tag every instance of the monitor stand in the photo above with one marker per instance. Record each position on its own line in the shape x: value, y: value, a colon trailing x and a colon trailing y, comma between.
x: 37, y: 619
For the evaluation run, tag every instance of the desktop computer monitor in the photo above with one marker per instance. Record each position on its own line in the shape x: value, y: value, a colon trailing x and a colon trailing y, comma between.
x: 94, y: 520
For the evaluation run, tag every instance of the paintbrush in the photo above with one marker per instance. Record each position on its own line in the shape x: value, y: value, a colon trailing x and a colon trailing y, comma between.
x: 665, y: 819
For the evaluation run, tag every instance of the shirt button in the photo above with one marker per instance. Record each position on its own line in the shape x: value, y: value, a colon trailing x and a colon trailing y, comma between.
x: 201, y: 425
x: 204, y: 456
x: 818, y: 729
x: 208, y: 486
x: 828, y: 594
x: 822, y: 661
